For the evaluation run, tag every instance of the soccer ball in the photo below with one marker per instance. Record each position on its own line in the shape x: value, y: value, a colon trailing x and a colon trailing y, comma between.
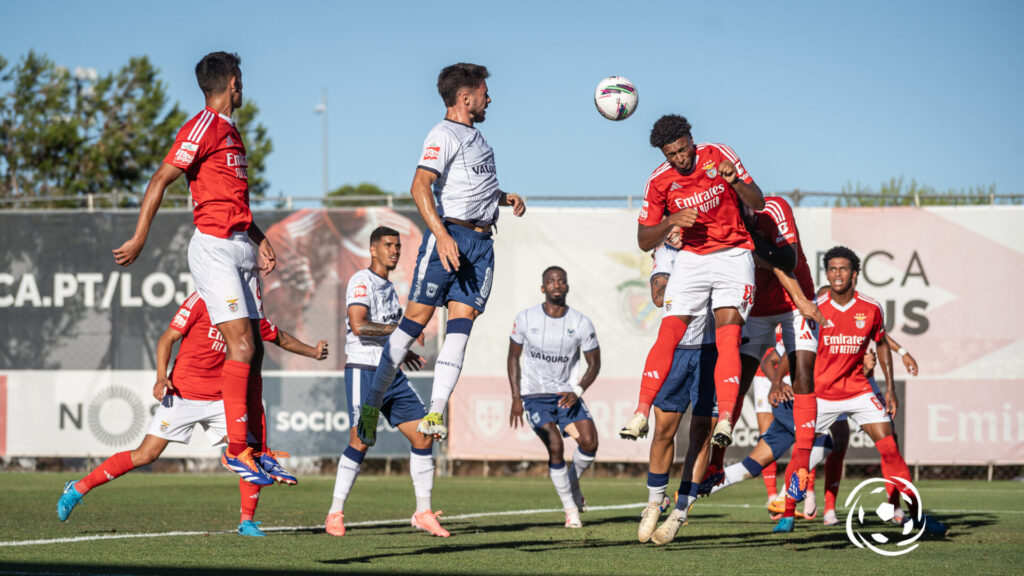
x: 615, y: 98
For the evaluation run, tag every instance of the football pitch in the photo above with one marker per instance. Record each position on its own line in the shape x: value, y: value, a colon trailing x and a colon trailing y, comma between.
x: 184, y: 524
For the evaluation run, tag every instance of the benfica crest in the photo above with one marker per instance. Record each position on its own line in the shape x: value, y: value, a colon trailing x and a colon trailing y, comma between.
x: 860, y: 320
x: 709, y: 169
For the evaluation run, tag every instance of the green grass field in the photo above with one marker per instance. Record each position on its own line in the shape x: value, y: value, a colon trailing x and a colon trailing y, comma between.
x: 727, y: 534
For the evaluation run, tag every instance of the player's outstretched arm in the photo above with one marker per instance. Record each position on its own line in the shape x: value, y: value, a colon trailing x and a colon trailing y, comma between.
x: 885, y: 363
x: 808, y: 308
x: 130, y: 250
x: 749, y: 193
x: 515, y: 415
x: 164, y: 346
x: 908, y: 361
x: 423, y: 194
x: 292, y: 344
x: 515, y: 201
x: 267, y: 257
x: 780, y: 391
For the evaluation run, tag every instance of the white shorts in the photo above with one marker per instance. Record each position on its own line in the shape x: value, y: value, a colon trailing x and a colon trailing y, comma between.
x: 863, y: 409
x: 762, y: 385
x: 225, y: 275
x: 798, y: 333
x: 175, y: 418
x: 726, y: 277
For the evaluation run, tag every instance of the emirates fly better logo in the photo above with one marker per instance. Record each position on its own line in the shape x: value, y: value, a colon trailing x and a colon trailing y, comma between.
x: 869, y: 509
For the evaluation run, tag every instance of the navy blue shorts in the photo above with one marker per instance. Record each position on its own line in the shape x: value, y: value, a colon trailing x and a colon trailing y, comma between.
x: 401, y: 402
x: 691, y: 381
x: 470, y: 285
x: 543, y: 408
x: 781, y: 434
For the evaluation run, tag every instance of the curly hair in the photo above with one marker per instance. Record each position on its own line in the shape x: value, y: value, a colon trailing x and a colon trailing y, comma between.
x: 842, y: 252
x: 668, y: 129
x: 458, y: 76
x: 215, y: 70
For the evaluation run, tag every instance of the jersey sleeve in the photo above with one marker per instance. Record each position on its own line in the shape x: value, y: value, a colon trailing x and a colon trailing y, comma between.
x: 781, y: 215
x: 731, y: 156
x: 186, y: 315
x: 519, y: 329
x: 358, y: 293
x: 188, y: 144
x: 438, y: 151
x: 268, y: 331
x: 652, y: 211
x: 664, y: 258
x: 878, y: 327
x: 588, y: 336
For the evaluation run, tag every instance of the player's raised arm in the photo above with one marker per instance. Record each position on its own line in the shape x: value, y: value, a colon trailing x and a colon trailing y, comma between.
x: 908, y: 361
x: 749, y: 192
x: 296, y: 346
x: 649, y: 237
x: 163, y: 357
x: 515, y: 417
x: 130, y: 250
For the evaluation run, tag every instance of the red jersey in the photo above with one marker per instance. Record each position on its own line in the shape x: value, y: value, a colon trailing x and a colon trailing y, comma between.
x: 210, y: 151
x: 196, y: 372
x: 719, y: 223
x: 842, y: 342
x: 775, y: 223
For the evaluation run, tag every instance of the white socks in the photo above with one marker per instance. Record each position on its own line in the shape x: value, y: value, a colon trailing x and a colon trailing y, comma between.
x: 560, y: 478
x: 581, y: 460
x: 449, y: 362
x: 395, y: 349
x: 348, y: 470
x: 421, y: 468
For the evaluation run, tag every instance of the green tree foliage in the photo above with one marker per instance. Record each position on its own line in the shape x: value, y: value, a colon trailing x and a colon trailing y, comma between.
x: 65, y: 134
x: 363, y: 194
x: 897, y: 192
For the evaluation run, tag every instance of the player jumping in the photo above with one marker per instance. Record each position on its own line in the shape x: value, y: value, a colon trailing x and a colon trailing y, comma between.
x: 702, y: 189
x: 373, y: 314
x: 209, y: 151
x: 456, y: 191
x: 189, y: 395
x: 546, y: 387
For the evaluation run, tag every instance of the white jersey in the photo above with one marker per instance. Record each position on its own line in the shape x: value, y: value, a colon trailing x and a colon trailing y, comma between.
x: 377, y: 294
x: 701, y: 329
x: 551, y: 349
x: 467, y: 186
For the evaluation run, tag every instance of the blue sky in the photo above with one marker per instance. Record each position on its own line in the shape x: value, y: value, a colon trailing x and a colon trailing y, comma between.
x: 811, y: 95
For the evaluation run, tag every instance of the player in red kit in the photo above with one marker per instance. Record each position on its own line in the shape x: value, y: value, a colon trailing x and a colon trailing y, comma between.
x: 209, y: 151
x: 191, y: 395
x: 852, y: 322
x: 700, y: 188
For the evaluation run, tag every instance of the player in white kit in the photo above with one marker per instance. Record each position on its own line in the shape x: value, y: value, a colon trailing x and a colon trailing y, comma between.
x: 373, y: 313
x: 547, y: 387
x: 457, y: 194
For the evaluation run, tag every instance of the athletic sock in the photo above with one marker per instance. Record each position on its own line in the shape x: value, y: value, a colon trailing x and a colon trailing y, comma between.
x: 790, y: 511
x: 581, y: 460
x: 659, y: 361
x: 421, y: 468
x: 257, y: 418
x: 250, y: 496
x: 768, y: 475
x: 810, y: 479
x: 348, y: 470
x: 560, y: 478
x: 893, y: 466
x: 234, y: 379
x: 727, y: 370
x: 111, y: 468
x: 833, y: 476
x: 805, y: 411
x: 822, y: 448
x: 687, y: 496
x: 449, y: 362
x: 657, y: 484
x: 395, y: 350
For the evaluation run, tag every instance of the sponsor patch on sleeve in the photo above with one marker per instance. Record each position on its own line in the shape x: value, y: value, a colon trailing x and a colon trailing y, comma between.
x: 183, y: 156
x: 189, y: 146
x: 359, y: 291
x: 432, y: 151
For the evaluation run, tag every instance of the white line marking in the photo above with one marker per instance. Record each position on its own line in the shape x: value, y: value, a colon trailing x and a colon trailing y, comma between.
x: 636, y: 505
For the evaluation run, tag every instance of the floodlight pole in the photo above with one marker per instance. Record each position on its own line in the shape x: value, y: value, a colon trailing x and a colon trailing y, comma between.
x: 321, y: 109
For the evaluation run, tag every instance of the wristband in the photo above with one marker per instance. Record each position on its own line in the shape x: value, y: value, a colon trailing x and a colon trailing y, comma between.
x: 902, y: 352
x: 577, y: 390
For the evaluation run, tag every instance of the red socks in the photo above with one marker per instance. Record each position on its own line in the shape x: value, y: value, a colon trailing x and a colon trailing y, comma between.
x: 111, y: 468
x: 893, y: 465
x: 257, y: 416
x: 250, y: 498
x: 727, y: 370
x: 234, y: 388
x: 659, y: 361
x: 833, y: 475
x: 768, y: 475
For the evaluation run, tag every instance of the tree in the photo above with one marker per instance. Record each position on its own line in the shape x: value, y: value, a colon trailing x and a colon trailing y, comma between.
x: 68, y: 135
x: 896, y: 192
x: 364, y: 191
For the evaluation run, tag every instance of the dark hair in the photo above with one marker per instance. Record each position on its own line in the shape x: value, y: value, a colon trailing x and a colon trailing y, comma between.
x: 457, y: 76
x: 553, y: 269
x: 668, y: 129
x: 380, y: 232
x: 842, y: 252
x: 215, y: 70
